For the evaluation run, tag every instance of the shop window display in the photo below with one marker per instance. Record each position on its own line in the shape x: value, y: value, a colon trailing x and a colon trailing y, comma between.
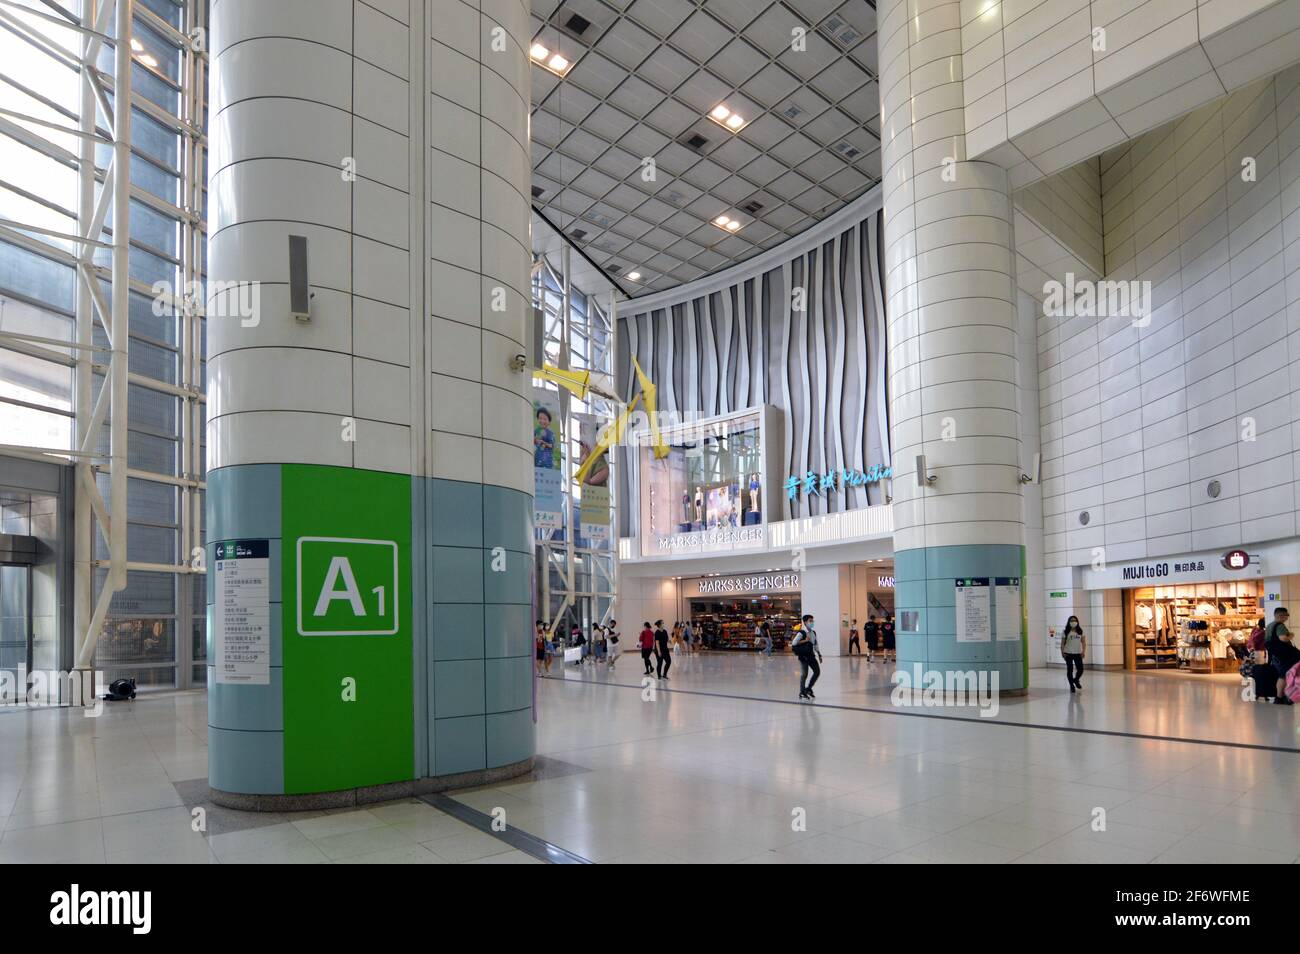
x: 1195, y: 627
x: 711, y: 480
x: 731, y: 625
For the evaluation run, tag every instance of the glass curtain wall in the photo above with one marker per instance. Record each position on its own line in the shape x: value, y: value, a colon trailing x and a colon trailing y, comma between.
x: 590, y: 348
x: 155, y: 630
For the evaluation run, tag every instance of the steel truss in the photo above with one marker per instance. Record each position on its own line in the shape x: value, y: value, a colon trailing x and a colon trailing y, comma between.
x: 104, y: 122
x: 560, y: 330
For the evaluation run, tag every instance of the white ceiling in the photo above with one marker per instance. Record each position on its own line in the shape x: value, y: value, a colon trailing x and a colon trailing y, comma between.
x: 645, y: 75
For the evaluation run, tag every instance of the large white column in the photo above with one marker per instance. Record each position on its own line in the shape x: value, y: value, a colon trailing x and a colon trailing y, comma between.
x: 388, y: 429
x: 951, y: 307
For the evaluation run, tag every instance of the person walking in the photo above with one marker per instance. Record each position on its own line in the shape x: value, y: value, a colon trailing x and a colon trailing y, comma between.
x: 1282, y: 652
x: 579, y: 641
x: 688, y: 633
x: 663, y: 654
x: 887, y: 639
x: 1073, y: 647
x: 539, y: 647
x: 804, y: 646
x: 646, y: 643
x: 613, y: 642
x: 871, y: 633
x: 853, y: 638
x: 768, y: 642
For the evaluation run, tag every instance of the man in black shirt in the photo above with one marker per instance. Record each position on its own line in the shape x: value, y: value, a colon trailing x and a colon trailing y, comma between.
x: 1282, y: 652
x: 663, y: 656
x: 871, y: 633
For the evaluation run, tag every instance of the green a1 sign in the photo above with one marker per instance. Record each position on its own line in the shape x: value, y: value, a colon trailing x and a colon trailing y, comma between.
x: 347, y: 587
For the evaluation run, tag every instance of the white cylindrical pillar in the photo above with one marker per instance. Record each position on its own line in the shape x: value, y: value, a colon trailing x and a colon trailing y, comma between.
x: 951, y: 305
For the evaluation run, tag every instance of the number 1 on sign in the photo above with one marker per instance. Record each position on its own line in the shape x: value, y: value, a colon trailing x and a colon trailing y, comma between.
x: 379, y: 591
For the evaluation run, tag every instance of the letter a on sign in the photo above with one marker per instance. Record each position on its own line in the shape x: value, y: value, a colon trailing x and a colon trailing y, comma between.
x: 340, y: 567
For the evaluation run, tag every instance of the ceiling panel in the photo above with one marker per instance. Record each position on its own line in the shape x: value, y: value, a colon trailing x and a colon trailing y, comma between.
x: 625, y: 153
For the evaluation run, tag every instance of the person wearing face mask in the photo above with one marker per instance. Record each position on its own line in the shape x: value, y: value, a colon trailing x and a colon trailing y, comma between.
x: 804, y: 646
x: 1073, y: 646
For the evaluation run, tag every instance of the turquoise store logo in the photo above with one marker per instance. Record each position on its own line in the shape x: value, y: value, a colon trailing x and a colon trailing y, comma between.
x: 816, y: 485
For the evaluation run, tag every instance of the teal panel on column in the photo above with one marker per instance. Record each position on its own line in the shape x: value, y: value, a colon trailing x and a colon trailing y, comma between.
x: 508, y: 684
x: 507, y: 519
x: 250, y: 763
x: 246, y: 721
x: 510, y: 737
x: 925, y: 585
x: 253, y: 708
x: 457, y: 575
x: 480, y: 667
x: 507, y: 630
x: 458, y: 688
x: 457, y: 631
x: 459, y: 745
x: 456, y: 514
x: 243, y: 501
x: 508, y: 583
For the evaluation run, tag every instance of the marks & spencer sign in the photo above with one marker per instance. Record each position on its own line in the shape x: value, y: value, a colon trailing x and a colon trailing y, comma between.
x: 735, y: 585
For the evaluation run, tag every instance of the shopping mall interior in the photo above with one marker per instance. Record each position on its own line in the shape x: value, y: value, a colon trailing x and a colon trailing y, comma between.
x: 907, y: 390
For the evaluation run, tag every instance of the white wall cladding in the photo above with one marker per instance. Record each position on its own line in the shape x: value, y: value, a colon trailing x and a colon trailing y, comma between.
x: 1059, y: 228
x: 949, y: 270
x: 741, y: 344
x: 1136, y: 422
x: 1040, y: 97
x: 298, y: 86
x: 478, y: 187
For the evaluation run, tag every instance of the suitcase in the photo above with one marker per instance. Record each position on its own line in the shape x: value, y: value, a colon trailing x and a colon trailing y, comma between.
x: 1265, y: 677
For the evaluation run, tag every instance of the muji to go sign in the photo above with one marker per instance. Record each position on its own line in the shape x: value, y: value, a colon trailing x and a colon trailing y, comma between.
x: 347, y: 587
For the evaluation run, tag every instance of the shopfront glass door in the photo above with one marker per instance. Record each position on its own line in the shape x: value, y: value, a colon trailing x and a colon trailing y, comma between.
x: 15, y: 617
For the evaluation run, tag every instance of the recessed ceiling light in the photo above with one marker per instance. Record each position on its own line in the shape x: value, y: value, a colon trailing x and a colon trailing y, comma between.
x: 723, y: 115
x: 557, y: 64
x: 733, y: 225
x: 539, y: 52
x: 634, y: 276
x: 722, y: 221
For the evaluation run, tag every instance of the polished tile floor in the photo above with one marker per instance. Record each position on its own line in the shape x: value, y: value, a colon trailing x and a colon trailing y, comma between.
x: 696, y: 775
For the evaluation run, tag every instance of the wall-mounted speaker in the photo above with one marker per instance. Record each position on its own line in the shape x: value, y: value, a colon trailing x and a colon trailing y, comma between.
x: 299, y: 286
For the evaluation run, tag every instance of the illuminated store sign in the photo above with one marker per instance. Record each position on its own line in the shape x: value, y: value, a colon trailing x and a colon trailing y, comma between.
x: 1189, y: 568
x: 1236, y: 560
x: 887, y: 582
x: 815, y: 485
x: 711, y: 539
x: 759, y: 583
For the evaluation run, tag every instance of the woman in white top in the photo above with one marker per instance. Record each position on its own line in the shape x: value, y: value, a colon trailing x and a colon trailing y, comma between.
x: 1073, y: 646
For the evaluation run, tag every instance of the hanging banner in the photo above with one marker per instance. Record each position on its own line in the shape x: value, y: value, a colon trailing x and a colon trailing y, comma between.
x: 973, y: 623
x: 548, y: 493
x: 1006, y: 598
x: 593, y: 509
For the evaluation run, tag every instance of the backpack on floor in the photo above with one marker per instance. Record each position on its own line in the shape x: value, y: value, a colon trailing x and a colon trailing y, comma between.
x: 1293, y: 683
x: 120, y: 690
